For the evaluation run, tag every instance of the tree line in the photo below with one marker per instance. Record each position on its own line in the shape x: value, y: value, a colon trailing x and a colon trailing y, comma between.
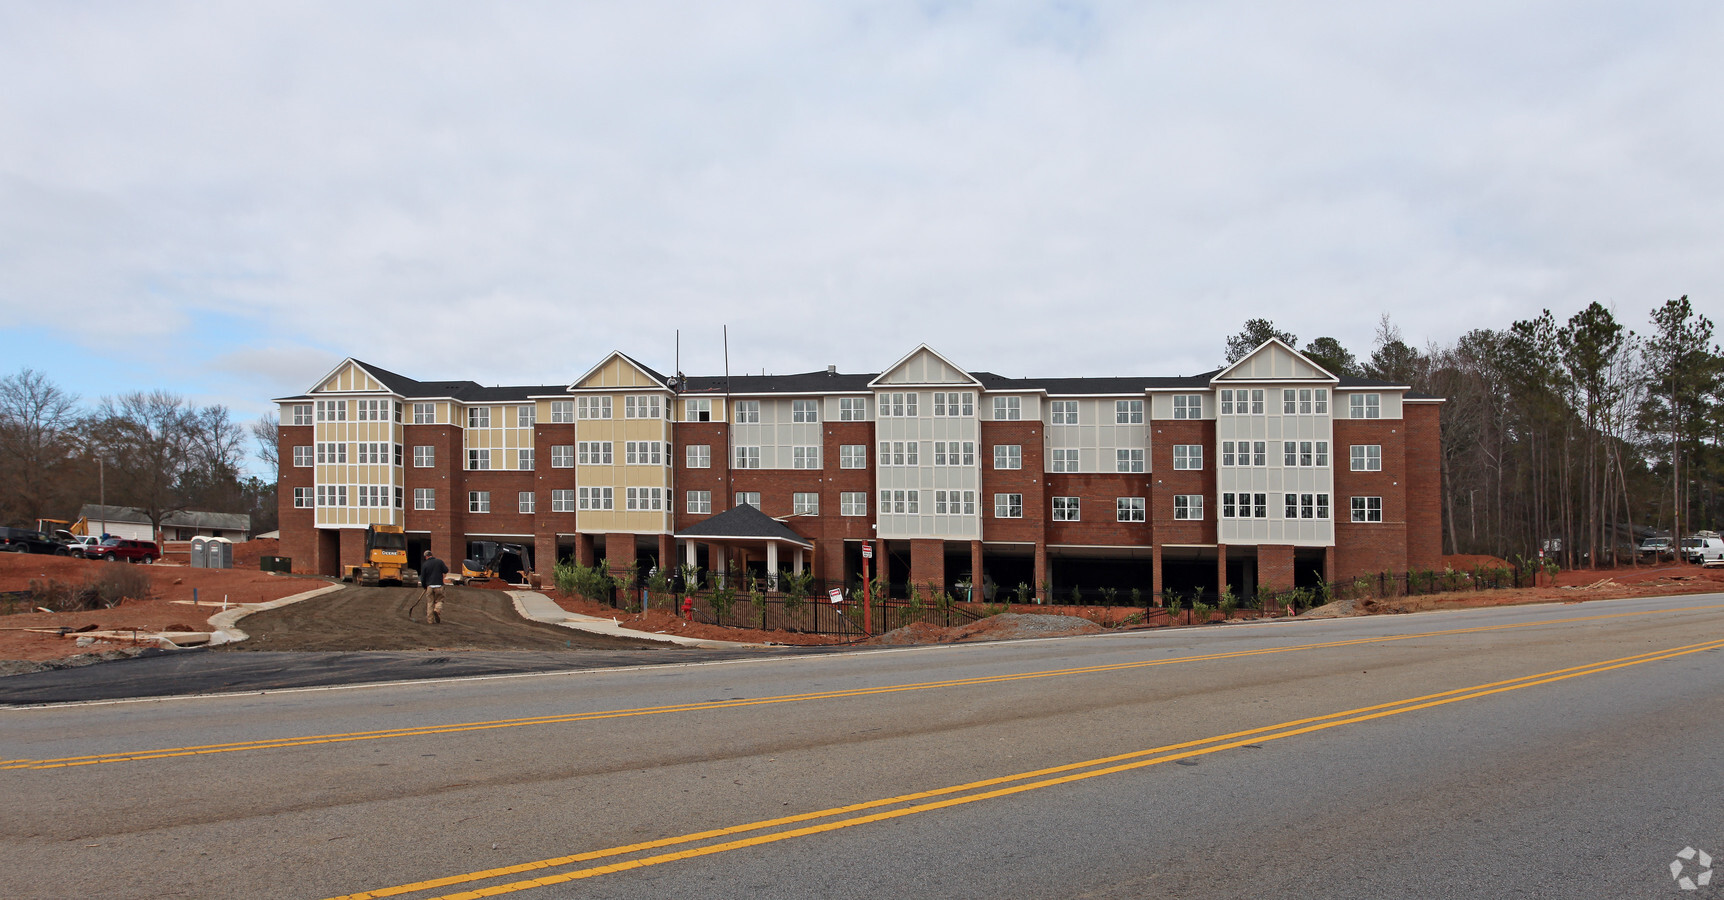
x: 152, y: 450
x: 1576, y: 436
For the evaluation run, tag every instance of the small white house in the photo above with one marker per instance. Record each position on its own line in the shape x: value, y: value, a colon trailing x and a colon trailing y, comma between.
x: 128, y: 522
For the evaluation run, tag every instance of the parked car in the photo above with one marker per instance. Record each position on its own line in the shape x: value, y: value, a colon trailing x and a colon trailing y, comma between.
x: 23, y: 540
x: 1707, y: 551
x: 127, y: 549
x: 82, y: 544
x: 1657, y: 548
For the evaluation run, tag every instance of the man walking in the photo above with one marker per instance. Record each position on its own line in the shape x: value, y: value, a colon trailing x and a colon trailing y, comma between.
x: 431, y: 573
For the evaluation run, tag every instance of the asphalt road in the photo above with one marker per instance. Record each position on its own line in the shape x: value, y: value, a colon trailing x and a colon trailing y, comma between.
x: 1550, y: 751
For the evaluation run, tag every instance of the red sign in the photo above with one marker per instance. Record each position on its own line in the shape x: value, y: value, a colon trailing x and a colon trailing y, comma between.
x: 867, y: 550
x: 836, y: 595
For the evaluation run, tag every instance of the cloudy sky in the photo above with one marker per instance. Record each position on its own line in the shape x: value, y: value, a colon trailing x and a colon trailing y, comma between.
x: 226, y: 199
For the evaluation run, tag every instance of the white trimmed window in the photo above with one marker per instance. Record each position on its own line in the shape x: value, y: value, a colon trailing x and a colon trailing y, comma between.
x: 747, y: 457
x: 1244, y: 506
x: 954, y: 404
x: 1128, y: 412
x: 1008, y: 409
x: 304, y: 498
x: 1064, y: 412
x: 1188, y: 456
x: 899, y: 453
x: 641, y: 406
x: 304, y: 456
x: 1367, y: 509
x: 852, y: 456
x: 805, y: 504
x: 699, y: 410
x: 478, y: 459
x: 526, y: 416
x: 700, y: 503
x: 368, y: 454
x: 1008, y: 506
x: 643, y: 499
x: 1366, y: 457
x: 804, y: 410
x: 478, y: 501
x: 1129, y: 509
x: 332, y: 410
x: 300, y: 414
x: 751, y: 498
x: 479, y: 417
x: 1063, y: 460
x: 592, y: 407
x: 526, y: 458
x: 332, y: 495
x: 698, y: 456
x: 372, y: 410
x: 398, y: 454
x: 852, y: 409
x: 597, y: 498
x: 1128, y: 460
x: 1305, y: 401
x: 853, y: 503
x: 643, y: 453
x: 1008, y: 456
x: 373, y: 495
x: 748, y: 412
x: 1306, y: 506
x: 397, y: 498
x: 954, y: 453
x: 898, y: 405
x: 562, y: 412
x: 595, y: 453
x: 1365, y: 406
x: 805, y: 457
x: 424, y: 413
x: 335, y: 453
x: 1188, y: 506
x: 562, y: 501
x: 562, y: 456
x: 524, y: 503
x: 1188, y: 406
x: 1066, y: 509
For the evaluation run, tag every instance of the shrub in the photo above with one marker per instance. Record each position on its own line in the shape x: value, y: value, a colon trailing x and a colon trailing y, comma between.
x: 723, y: 598
x: 1023, y: 592
x: 1200, y: 611
x: 103, y: 590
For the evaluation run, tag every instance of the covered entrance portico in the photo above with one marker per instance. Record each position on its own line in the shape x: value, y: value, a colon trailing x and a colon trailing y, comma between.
x: 743, y: 535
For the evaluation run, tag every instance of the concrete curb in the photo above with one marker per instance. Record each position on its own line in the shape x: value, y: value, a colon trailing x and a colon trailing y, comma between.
x: 537, y: 607
x: 224, y: 625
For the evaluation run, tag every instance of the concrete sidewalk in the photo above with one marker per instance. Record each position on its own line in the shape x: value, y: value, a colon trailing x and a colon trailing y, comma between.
x: 540, y: 608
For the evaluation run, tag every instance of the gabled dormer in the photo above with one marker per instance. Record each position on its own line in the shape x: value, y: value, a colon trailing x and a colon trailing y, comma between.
x: 1275, y: 360
x: 923, y: 367
x: 620, y: 372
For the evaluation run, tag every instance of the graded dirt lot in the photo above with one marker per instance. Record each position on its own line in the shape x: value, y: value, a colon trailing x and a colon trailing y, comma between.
x: 377, y: 618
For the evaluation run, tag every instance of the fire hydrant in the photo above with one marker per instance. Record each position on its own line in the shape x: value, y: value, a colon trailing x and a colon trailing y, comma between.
x: 688, y: 608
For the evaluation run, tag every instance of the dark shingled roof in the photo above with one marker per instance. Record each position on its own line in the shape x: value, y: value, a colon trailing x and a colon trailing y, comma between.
x: 1114, y: 385
x: 744, y: 523
x: 804, y: 383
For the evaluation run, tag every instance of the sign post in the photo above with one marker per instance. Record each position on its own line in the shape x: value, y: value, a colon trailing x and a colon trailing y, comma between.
x: 867, y: 589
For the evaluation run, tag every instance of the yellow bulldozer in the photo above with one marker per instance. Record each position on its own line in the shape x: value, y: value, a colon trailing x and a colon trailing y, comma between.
x: 385, y: 559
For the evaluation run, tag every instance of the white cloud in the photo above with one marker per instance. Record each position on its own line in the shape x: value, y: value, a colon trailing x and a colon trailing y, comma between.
x: 504, y: 194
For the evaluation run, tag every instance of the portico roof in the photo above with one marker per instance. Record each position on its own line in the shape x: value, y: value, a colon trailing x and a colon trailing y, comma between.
x: 744, y: 523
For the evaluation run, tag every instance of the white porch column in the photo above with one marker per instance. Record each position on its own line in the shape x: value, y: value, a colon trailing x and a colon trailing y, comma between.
x: 797, y: 562
x: 690, y: 553
x: 772, y: 565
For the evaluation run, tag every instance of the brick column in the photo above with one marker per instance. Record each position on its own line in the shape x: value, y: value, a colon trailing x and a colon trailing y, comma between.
x: 882, y: 564
x: 927, y: 567
x: 584, y: 552
x: 831, y: 563
x: 667, y: 553
x: 352, y: 547
x: 619, y: 554
x: 978, y: 590
x: 1220, y: 567
x: 544, y: 553
x: 1275, y: 567
x: 1042, y: 571
x: 1155, y: 573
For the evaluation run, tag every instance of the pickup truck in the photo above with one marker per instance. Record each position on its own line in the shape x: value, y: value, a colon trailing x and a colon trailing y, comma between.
x: 23, y: 540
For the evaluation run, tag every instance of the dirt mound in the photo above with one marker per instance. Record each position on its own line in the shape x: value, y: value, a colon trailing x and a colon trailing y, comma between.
x: 1015, y: 626
x: 913, y: 633
x: 1466, y: 562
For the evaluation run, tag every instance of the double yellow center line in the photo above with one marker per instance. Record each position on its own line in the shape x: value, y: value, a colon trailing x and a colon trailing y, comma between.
x: 706, y: 706
x: 769, y: 831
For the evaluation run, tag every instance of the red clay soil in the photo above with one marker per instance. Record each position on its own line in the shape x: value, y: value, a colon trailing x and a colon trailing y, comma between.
x: 156, y: 612
x: 663, y: 621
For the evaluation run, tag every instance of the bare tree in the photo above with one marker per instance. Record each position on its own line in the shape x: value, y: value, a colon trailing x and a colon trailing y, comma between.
x: 165, y: 454
x: 37, y: 420
x: 267, y: 431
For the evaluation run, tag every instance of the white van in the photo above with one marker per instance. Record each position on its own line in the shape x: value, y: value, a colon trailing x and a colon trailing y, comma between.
x: 1707, y: 551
